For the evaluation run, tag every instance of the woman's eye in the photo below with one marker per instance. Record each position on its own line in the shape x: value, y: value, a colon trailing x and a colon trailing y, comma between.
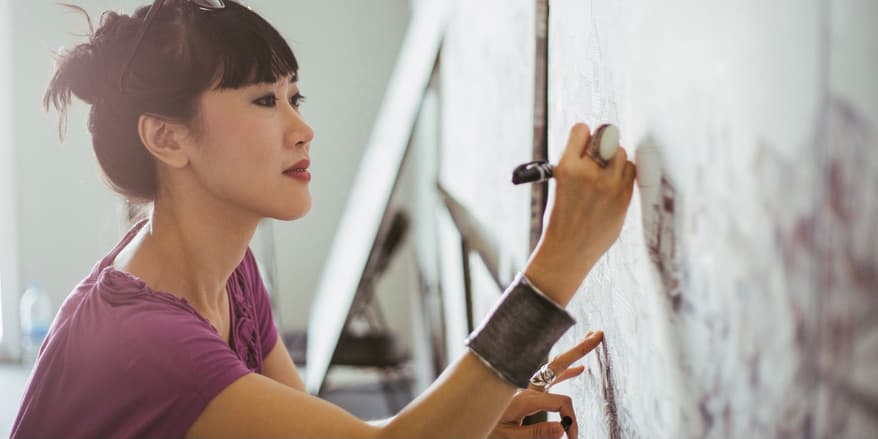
x: 271, y: 100
x: 297, y: 100
x: 266, y: 101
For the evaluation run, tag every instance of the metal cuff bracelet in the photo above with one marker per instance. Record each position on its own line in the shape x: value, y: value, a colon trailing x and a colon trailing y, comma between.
x: 517, y: 335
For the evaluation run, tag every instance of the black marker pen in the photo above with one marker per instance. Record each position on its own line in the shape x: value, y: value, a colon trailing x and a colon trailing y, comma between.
x: 601, y: 149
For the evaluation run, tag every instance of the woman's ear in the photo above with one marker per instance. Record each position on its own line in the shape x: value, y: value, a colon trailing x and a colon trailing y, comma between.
x: 163, y: 139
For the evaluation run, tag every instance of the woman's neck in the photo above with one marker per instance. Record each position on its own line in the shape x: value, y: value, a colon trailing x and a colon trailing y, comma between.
x: 188, y: 252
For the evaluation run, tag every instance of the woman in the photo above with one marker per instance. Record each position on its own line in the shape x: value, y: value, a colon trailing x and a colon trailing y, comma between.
x: 194, y: 108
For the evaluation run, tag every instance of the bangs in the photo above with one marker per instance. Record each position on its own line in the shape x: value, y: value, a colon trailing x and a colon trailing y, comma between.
x: 248, y: 49
x: 189, y: 51
x: 231, y: 47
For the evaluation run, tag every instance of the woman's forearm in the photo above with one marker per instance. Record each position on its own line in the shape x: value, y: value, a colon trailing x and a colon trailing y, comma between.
x: 466, y: 401
x: 469, y: 398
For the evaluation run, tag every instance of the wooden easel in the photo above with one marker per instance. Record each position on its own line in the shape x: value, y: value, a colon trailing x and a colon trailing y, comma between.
x: 349, y: 270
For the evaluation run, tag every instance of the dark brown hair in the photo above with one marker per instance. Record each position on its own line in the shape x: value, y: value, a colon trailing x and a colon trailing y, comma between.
x: 184, y: 52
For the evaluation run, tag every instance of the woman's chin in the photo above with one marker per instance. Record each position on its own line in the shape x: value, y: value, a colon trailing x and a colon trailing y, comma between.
x: 293, y: 213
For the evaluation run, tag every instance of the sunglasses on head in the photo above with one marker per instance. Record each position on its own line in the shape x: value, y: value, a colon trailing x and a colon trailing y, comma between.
x: 204, y: 5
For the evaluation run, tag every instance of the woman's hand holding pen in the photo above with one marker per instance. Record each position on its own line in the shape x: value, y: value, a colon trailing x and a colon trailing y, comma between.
x: 585, y: 217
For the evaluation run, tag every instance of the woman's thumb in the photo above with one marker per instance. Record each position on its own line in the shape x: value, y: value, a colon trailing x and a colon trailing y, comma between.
x: 546, y: 430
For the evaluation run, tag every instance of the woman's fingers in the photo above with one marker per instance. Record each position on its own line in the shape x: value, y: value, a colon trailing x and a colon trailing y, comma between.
x: 577, y: 142
x: 586, y: 345
x: 617, y: 164
x: 628, y: 176
x: 540, y: 430
x: 570, y: 372
x: 528, y: 402
x: 560, y: 365
x: 565, y: 409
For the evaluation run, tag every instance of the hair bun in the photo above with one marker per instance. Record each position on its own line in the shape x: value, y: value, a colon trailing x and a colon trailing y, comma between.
x: 83, y: 71
x: 89, y: 70
x: 96, y: 76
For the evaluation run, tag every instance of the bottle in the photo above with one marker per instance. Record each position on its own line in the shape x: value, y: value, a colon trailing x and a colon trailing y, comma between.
x: 36, y: 316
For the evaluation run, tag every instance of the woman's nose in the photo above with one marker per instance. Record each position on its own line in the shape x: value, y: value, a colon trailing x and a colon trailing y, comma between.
x: 298, y: 131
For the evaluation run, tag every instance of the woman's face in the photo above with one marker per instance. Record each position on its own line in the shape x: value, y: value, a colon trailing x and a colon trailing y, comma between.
x: 250, y: 142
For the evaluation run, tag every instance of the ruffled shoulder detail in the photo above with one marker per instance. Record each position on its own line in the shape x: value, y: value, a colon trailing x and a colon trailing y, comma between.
x: 120, y: 283
x: 246, y: 339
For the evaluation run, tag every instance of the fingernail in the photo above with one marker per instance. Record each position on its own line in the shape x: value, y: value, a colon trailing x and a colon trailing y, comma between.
x: 566, y: 422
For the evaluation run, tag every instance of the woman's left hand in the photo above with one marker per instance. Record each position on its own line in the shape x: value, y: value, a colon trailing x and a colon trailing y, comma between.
x: 560, y: 365
x: 536, y: 399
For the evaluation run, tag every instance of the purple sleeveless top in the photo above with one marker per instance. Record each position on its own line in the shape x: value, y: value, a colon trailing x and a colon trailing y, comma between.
x: 124, y: 361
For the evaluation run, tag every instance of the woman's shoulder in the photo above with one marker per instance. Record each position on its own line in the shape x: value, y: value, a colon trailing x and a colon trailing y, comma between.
x: 123, y: 347
x: 114, y: 313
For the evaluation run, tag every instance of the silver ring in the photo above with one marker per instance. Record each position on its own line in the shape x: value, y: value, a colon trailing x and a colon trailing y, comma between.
x: 543, y: 377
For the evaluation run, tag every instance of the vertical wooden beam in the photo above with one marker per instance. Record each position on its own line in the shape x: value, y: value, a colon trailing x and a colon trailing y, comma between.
x: 539, y: 192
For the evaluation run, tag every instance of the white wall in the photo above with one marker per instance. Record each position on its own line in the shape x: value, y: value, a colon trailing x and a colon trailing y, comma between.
x: 8, y: 239
x: 67, y: 218
x: 741, y: 276
x: 487, y: 91
x: 739, y: 300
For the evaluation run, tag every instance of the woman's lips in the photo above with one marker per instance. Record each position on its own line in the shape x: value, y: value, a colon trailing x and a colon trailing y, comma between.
x: 299, y: 171
x: 299, y: 174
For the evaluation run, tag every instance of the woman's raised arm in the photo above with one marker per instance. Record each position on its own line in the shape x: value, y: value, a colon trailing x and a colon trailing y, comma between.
x: 469, y: 398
